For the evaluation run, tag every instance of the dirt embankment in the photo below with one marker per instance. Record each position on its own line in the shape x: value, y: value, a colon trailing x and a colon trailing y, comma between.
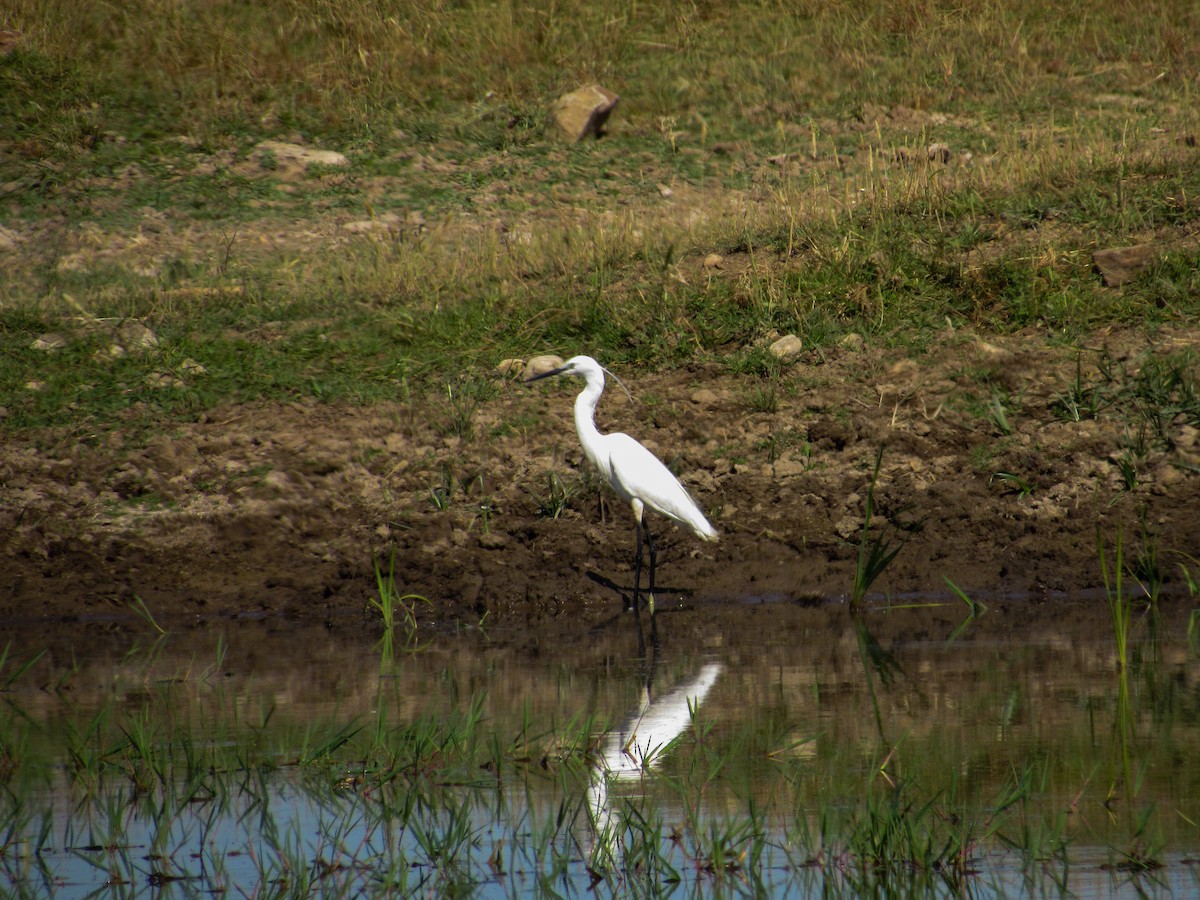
x: 282, y: 511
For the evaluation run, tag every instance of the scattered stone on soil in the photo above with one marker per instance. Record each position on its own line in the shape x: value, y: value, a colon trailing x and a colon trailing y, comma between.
x: 510, y: 368
x: 713, y: 261
x: 10, y: 40
x: 1120, y: 264
x: 991, y: 350
x: 49, y: 342
x: 284, y: 509
x: 584, y: 112
x: 384, y: 223
x: 134, y: 337
x: 540, y: 365
x: 9, y: 239
x: 938, y: 153
x: 787, y: 347
x: 295, y: 156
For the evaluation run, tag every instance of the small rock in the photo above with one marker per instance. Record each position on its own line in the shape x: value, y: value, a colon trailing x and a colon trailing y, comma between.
x: 852, y: 341
x: 277, y: 479
x: 491, y: 540
x: 1167, y: 475
x: 385, y: 223
x: 787, y: 347
x: 540, y: 365
x: 49, y: 343
x: 992, y: 350
x: 191, y: 367
x: 10, y: 40
x: 163, y: 380
x: 1127, y: 100
x: 584, y: 111
x: 34, y: 385
x: 705, y: 397
x: 938, y: 153
x: 1119, y: 264
x: 847, y: 527
x: 112, y: 351
x: 713, y: 261
x: 135, y: 336
x: 301, y: 157
x: 510, y: 368
x: 9, y: 239
x: 790, y: 468
x: 664, y: 190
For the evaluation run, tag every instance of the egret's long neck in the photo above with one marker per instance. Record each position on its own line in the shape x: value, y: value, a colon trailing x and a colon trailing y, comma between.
x: 585, y: 416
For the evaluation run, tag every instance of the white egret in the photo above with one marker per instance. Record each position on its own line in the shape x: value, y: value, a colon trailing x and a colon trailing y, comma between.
x: 633, y: 472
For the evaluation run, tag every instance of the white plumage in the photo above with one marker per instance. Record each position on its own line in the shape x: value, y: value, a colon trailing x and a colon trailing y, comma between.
x: 633, y: 472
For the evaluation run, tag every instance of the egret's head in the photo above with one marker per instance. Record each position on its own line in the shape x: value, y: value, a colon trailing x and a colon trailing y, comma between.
x: 584, y: 367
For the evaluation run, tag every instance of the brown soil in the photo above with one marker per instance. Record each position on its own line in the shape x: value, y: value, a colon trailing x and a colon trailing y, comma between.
x: 282, y: 511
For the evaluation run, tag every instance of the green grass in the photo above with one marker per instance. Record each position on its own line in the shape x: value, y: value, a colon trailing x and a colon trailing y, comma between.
x: 130, y: 165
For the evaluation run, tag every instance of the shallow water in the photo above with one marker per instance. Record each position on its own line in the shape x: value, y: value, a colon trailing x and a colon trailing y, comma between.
x: 743, y: 749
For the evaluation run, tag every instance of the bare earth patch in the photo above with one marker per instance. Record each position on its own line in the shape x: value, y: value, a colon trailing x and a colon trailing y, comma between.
x: 283, y: 511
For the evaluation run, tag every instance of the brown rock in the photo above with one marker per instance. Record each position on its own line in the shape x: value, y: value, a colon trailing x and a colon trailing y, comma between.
x: 510, y: 368
x: 539, y: 365
x: 1119, y: 264
x: 584, y: 111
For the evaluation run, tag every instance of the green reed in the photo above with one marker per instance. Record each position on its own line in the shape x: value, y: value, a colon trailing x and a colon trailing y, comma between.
x: 454, y: 798
x: 875, y: 552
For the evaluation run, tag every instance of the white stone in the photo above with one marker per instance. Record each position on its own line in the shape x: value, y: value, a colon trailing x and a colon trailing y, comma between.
x: 787, y: 347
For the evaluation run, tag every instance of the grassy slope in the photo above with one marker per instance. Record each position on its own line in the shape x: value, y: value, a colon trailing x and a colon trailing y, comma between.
x: 1079, y: 124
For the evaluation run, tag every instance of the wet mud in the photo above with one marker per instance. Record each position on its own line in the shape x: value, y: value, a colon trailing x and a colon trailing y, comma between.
x: 283, y: 513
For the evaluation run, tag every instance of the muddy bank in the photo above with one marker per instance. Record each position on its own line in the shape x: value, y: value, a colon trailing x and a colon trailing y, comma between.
x: 283, y: 511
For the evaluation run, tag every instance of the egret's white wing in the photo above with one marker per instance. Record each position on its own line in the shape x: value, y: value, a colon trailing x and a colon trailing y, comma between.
x: 636, y: 473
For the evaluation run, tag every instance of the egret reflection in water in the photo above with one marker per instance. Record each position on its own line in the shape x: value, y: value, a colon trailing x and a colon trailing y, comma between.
x: 629, y: 752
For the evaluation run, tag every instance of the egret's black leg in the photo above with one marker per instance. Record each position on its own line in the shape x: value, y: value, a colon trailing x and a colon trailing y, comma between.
x: 637, y: 567
x: 653, y: 564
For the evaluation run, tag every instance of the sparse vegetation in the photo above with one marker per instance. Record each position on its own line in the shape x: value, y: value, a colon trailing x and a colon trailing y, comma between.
x: 419, y: 776
x: 915, y: 190
x: 876, y: 549
x: 442, y: 116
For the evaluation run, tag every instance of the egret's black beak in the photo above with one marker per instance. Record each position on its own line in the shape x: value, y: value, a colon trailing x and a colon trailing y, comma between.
x: 539, y: 377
